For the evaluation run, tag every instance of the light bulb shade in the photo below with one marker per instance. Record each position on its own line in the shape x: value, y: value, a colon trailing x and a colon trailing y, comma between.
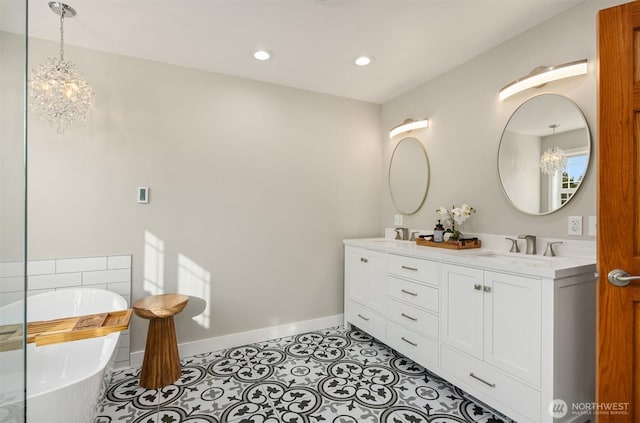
x: 59, y: 95
x: 552, y: 161
x: 538, y: 78
x: 409, y: 125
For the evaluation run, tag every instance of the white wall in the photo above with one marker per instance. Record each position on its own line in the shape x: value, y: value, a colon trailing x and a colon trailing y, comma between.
x: 12, y: 117
x: 253, y: 187
x: 467, y: 120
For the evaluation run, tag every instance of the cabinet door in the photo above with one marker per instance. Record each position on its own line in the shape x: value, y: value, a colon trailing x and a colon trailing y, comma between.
x: 355, y: 275
x: 512, y: 323
x: 376, y: 275
x: 462, y: 303
x: 366, y: 277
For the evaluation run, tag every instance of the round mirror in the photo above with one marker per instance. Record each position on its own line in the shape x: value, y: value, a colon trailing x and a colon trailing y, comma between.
x: 544, y: 154
x: 409, y: 175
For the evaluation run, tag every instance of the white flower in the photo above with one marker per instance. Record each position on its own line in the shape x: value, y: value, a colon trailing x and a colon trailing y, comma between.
x: 457, y: 214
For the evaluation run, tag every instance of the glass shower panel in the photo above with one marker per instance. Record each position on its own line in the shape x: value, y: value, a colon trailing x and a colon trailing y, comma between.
x: 13, y: 57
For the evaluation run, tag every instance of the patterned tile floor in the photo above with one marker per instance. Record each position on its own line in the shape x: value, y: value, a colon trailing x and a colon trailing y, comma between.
x: 328, y: 376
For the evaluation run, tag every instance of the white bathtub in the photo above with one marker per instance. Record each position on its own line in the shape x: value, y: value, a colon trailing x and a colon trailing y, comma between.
x: 65, y: 381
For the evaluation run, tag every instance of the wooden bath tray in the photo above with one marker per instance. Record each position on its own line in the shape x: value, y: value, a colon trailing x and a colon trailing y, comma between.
x: 462, y: 244
x: 64, y: 330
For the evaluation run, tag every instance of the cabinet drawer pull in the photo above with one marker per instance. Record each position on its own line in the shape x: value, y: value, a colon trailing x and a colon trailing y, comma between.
x: 364, y: 260
x: 487, y: 288
x: 492, y: 385
x: 409, y: 317
x: 409, y: 342
x: 409, y: 292
x: 415, y: 269
x: 477, y: 287
x: 363, y: 318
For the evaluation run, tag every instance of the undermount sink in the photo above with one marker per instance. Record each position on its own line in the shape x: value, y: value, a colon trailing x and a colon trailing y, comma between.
x: 517, y: 259
x: 393, y: 242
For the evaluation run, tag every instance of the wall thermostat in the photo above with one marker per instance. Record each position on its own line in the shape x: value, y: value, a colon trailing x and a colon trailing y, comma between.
x: 143, y: 195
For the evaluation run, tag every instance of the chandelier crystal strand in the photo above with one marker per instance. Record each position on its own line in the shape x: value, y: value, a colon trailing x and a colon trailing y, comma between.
x: 552, y: 161
x: 59, y: 95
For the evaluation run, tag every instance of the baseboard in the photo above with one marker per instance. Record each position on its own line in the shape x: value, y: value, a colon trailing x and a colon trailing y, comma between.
x: 243, y: 338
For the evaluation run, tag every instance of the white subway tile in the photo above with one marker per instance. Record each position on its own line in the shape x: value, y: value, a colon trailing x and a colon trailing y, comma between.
x: 121, y: 365
x: 41, y: 267
x: 81, y: 264
x: 119, y: 262
x: 124, y: 341
x: 106, y: 276
x: 122, y: 354
x: 122, y: 288
x: 12, y: 284
x: 54, y: 281
x: 11, y: 268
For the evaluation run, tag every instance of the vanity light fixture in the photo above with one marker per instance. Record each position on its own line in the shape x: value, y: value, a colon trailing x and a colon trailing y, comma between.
x: 262, y: 55
x: 408, y: 125
x: 59, y: 95
x: 543, y: 75
x: 554, y: 159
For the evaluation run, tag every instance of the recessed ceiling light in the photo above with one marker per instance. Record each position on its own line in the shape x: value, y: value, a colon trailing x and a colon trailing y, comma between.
x: 262, y: 55
x: 363, y: 60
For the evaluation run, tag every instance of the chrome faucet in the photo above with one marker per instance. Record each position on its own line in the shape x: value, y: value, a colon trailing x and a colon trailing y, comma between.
x: 531, y: 243
x: 514, y: 245
x: 402, y: 233
x: 550, y: 252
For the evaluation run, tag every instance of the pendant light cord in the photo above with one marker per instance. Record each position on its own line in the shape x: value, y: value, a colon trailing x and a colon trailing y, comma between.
x: 62, y: 35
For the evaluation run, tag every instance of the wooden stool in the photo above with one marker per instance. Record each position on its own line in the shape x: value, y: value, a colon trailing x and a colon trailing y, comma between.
x: 161, y: 363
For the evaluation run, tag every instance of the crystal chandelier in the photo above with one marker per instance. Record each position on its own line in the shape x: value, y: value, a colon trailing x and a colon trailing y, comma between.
x: 59, y: 95
x: 553, y: 159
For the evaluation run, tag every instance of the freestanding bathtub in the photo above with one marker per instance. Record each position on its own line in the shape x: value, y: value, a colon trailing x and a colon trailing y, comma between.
x: 65, y: 381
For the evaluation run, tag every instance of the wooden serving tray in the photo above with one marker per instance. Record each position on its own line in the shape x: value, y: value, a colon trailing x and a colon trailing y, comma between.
x: 451, y: 245
x: 64, y: 330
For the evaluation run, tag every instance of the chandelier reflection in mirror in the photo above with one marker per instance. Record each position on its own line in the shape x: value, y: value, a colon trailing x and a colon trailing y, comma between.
x: 59, y: 95
x: 554, y: 158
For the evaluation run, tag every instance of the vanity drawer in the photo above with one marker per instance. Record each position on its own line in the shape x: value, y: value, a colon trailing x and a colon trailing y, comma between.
x: 365, y: 319
x: 421, y: 270
x: 420, y: 349
x: 414, y: 293
x: 415, y: 319
x: 512, y: 393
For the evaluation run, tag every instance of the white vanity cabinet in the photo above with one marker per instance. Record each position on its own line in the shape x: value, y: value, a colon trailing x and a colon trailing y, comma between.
x: 413, y: 305
x: 365, y: 289
x: 515, y: 331
x: 496, y: 319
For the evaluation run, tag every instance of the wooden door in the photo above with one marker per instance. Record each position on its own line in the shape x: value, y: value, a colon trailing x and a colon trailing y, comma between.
x: 618, y: 336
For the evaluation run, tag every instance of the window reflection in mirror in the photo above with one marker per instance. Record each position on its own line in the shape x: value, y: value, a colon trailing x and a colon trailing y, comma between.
x: 545, y: 124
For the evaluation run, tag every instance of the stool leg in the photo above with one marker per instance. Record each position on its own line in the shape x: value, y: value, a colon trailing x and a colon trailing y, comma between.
x: 161, y: 363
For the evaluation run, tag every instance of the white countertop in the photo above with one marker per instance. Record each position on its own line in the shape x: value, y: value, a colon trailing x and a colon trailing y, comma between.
x: 486, y: 258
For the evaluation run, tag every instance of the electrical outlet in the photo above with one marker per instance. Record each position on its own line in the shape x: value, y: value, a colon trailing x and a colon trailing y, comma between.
x: 575, y: 225
x: 397, y: 220
x: 593, y: 222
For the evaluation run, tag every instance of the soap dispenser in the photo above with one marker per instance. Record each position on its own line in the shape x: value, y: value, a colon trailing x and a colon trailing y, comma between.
x: 438, y: 233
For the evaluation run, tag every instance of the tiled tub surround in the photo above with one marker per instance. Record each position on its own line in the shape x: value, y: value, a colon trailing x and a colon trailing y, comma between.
x: 331, y: 375
x: 516, y: 331
x: 112, y: 273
